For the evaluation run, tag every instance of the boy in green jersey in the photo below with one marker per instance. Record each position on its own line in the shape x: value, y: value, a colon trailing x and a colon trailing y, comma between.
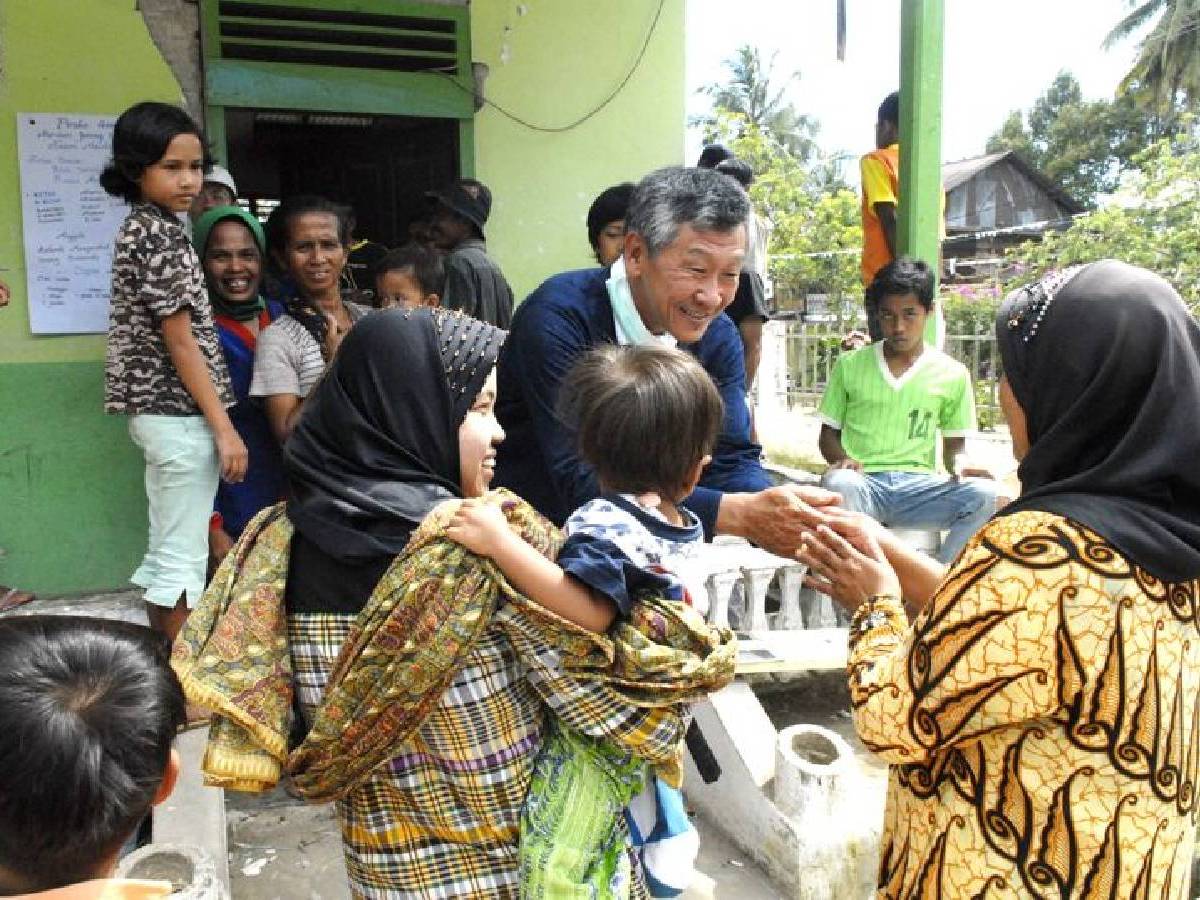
x: 881, y: 414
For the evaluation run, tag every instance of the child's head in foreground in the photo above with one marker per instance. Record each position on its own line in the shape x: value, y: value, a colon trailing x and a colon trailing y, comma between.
x: 646, y: 418
x: 89, y: 709
x: 410, y: 277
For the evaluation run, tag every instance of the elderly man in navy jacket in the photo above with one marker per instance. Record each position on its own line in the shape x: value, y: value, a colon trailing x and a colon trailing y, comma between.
x: 684, y: 244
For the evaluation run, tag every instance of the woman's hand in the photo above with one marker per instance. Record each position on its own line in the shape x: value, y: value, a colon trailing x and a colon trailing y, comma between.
x: 333, y: 336
x: 233, y: 455
x: 481, y: 527
x: 848, y: 573
x: 219, y: 545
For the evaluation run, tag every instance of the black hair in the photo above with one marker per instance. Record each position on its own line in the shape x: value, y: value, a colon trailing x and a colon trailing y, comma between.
x: 712, y: 155
x: 737, y: 169
x: 889, y: 109
x: 140, y: 138
x: 279, y: 224
x: 89, y: 708
x: 609, y: 206
x: 424, y: 263
x: 644, y: 416
x: 903, y: 275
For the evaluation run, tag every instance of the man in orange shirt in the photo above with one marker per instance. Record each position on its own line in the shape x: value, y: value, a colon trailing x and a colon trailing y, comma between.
x: 880, y: 196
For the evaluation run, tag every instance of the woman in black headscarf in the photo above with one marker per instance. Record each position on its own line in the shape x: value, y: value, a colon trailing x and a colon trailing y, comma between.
x: 429, y: 686
x: 378, y: 448
x: 1041, y: 711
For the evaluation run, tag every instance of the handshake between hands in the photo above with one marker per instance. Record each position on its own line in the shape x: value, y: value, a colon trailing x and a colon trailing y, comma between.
x: 847, y: 553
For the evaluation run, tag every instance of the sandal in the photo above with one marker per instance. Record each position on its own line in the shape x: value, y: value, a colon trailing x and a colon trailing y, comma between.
x: 11, y: 598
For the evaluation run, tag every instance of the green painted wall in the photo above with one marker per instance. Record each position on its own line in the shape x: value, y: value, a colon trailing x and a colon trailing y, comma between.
x: 563, y: 58
x: 72, y: 511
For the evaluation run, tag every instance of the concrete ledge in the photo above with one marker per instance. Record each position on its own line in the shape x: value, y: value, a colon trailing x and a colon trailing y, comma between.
x: 810, y: 847
x: 799, y: 650
x: 194, y: 814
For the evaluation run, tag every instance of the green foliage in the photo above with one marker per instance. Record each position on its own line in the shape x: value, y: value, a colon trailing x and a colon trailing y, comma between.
x: 970, y: 309
x: 1166, y: 72
x: 1154, y: 223
x: 750, y: 94
x: 1081, y: 145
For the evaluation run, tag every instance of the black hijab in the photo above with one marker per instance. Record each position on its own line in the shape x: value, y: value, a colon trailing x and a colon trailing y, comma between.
x: 377, y: 445
x: 1105, y: 363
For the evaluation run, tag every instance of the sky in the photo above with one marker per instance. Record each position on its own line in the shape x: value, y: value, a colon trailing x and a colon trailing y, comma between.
x: 998, y: 57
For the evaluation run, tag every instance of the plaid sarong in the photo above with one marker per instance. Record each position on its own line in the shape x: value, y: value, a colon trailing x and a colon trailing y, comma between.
x: 433, y: 716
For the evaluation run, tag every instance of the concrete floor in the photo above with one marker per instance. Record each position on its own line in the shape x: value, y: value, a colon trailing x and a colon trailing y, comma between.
x: 281, y: 849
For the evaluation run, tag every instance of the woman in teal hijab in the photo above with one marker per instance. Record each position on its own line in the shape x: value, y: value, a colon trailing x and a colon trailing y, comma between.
x: 230, y: 243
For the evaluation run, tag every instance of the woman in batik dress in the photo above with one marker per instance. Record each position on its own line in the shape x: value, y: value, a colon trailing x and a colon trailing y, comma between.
x: 1040, y: 712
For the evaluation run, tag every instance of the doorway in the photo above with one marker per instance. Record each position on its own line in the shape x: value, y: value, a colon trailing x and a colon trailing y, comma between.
x: 381, y: 166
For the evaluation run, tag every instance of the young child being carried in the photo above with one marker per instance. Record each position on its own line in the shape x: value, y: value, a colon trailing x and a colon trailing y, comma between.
x: 410, y: 277
x: 646, y: 419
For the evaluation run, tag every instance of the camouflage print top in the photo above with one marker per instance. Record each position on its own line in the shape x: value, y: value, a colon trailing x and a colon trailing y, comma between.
x: 156, y: 273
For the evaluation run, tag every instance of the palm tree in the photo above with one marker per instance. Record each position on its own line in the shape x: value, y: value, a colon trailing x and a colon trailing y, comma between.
x: 749, y: 92
x: 1167, y: 69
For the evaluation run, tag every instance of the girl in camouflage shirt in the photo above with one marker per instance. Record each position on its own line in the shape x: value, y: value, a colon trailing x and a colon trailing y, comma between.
x: 163, y: 366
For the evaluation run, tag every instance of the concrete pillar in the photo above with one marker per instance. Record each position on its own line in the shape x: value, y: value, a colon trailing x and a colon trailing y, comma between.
x: 771, y: 385
x: 818, y: 786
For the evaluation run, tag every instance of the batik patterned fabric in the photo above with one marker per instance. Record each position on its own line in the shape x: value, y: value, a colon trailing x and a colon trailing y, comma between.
x: 232, y: 658
x: 1041, y: 720
x: 433, y: 711
x: 574, y: 840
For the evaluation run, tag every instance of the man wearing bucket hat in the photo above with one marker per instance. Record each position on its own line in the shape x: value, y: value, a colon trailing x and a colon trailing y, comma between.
x: 474, y: 283
x: 218, y: 189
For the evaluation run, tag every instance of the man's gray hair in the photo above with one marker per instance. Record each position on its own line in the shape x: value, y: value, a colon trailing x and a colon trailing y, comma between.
x: 669, y: 198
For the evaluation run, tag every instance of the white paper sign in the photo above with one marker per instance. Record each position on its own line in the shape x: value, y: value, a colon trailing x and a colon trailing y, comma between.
x: 70, y: 223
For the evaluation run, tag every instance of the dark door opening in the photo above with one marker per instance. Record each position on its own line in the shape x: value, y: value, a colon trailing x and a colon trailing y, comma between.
x: 379, y: 165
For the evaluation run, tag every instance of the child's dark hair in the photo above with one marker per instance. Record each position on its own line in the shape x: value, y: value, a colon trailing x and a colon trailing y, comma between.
x: 89, y: 710
x: 903, y: 275
x: 279, y: 224
x: 889, y: 109
x: 737, y: 169
x: 140, y: 138
x: 644, y: 417
x: 424, y: 263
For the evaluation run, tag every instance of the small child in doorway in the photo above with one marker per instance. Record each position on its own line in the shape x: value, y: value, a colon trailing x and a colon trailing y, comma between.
x: 647, y: 418
x: 410, y: 277
x: 163, y: 367
x: 90, y: 710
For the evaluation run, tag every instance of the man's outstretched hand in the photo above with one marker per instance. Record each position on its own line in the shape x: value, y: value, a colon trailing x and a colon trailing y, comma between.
x: 778, y: 518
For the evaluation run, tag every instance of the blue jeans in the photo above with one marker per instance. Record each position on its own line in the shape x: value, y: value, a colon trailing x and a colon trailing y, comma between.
x: 182, y: 470
x: 910, y: 500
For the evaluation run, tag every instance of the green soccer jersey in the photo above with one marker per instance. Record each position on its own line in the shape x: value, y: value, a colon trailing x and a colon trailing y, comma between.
x: 890, y: 424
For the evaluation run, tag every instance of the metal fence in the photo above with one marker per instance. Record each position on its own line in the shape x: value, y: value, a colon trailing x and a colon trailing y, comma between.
x: 813, y: 348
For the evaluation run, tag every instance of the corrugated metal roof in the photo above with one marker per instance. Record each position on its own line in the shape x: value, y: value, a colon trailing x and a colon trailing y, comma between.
x: 963, y: 170
x: 955, y: 173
